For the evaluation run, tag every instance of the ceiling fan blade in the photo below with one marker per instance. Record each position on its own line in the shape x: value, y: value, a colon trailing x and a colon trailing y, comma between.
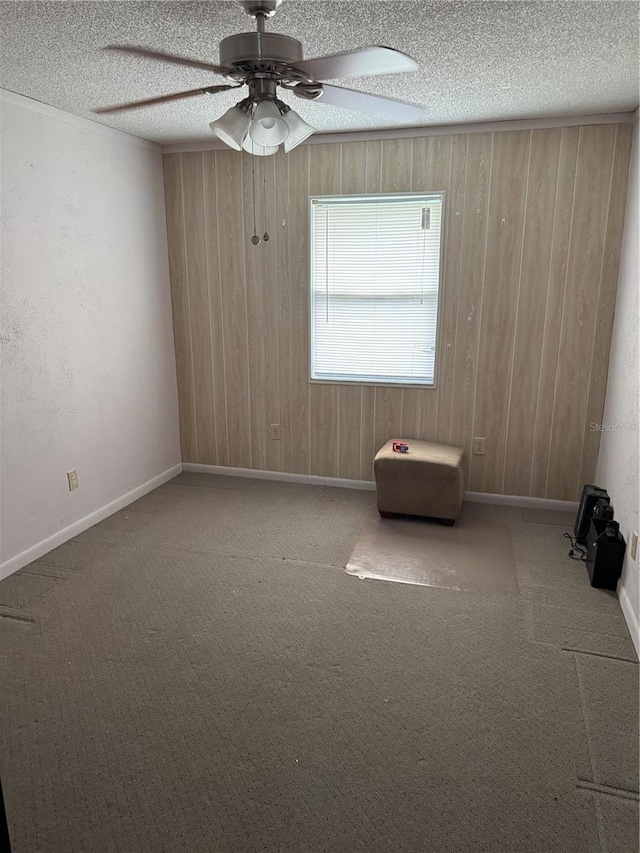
x: 167, y: 57
x: 364, y: 102
x: 363, y: 62
x: 134, y: 105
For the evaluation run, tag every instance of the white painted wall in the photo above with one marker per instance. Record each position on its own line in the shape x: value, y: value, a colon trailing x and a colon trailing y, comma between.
x: 619, y: 458
x: 88, y: 370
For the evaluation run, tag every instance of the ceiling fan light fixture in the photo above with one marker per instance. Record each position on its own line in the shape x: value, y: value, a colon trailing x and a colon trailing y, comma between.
x: 268, y: 127
x: 232, y: 128
x: 299, y: 130
x: 252, y: 147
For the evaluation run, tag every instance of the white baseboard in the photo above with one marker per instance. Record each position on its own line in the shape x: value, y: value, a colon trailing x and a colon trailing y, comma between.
x: 283, y: 476
x: 370, y: 486
x: 630, y: 616
x: 521, y: 500
x: 41, y: 548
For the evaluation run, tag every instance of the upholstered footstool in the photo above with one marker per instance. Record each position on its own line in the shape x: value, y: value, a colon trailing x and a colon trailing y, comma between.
x: 428, y: 480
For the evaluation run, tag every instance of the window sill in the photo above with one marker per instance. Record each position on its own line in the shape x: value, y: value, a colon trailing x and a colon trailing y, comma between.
x: 359, y: 384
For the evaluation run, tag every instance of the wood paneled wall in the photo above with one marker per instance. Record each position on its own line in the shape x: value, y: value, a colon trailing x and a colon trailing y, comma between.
x: 532, y: 237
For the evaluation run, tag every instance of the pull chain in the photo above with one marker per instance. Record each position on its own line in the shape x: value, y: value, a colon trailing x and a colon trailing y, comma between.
x: 255, y: 239
x: 265, y: 236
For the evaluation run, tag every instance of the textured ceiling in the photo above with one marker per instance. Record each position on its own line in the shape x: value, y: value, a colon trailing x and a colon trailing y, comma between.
x: 478, y: 60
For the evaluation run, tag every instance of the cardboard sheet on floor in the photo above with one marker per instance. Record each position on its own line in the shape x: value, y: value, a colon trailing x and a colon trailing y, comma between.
x: 474, y: 555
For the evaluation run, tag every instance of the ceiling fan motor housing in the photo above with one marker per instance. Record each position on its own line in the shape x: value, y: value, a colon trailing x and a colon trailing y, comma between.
x: 256, y: 52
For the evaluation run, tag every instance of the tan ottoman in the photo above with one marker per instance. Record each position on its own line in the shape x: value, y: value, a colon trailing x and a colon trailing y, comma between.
x: 428, y: 480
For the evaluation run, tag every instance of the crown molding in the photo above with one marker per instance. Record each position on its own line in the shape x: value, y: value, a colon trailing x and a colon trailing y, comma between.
x: 433, y: 130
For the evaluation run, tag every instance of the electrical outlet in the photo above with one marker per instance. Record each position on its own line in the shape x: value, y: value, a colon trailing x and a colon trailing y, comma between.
x: 479, y: 446
x: 72, y: 477
x: 634, y: 545
x: 275, y: 432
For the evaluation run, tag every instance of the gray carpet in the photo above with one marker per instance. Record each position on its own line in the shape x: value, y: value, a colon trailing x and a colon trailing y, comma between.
x: 198, y: 673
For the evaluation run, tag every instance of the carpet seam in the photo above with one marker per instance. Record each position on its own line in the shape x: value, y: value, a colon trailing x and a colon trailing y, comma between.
x: 599, y: 655
x: 585, y: 720
x: 608, y: 790
x: 29, y: 571
x: 15, y: 616
x: 599, y: 825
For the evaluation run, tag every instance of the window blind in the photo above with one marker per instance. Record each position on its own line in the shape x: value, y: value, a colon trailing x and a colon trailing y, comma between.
x: 375, y: 276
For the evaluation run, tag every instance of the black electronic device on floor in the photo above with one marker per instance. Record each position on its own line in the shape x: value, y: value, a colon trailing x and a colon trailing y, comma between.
x: 605, y: 553
x: 590, y: 495
x: 602, y: 510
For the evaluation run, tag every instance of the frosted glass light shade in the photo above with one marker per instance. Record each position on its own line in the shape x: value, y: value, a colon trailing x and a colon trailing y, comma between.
x: 252, y: 147
x: 232, y: 127
x: 268, y: 127
x: 299, y: 130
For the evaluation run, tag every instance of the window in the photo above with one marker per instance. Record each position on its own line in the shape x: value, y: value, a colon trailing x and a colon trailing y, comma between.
x: 375, y: 276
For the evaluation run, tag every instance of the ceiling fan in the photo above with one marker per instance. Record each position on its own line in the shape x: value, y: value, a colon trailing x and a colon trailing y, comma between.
x: 264, y: 61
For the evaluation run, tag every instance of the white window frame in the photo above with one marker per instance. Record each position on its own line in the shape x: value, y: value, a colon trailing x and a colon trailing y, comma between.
x: 426, y: 386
